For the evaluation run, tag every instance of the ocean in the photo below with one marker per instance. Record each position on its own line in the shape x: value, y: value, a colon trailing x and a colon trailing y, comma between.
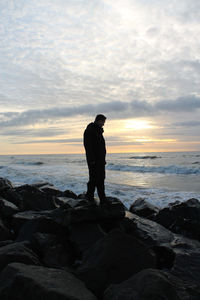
x: 160, y: 178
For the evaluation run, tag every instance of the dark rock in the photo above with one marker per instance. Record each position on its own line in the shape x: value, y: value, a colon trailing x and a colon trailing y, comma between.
x: 54, y: 251
x: 5, y: 184
x: 19, y: 281
x: 143, y: 208
x: 51, y: 191
x: 35, y: 199
x: 150, y: 232
x: 114, y: 259
x: 186, y: 227
x: 84, y: 235
x: 7, y: 209
x: 70, y: 202
x: 43, y: 224
x: 17, y: 252
x: 152, y: 284
x: 5, y: 243
x: 12, y: 196
x: 22, y: 217
x: 92, y: 213
x: 189, y: 210
x: 4, y: 232
x: 186, y: 263
x: 69, y: 194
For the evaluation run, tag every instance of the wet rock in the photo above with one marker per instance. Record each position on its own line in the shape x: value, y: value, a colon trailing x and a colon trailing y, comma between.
x: 5, y: 243
x: 84, y: 235
x: 7, y: 209
x: 186, y: 263
x: 150, y: 232
x: 4, y: 232
x: 143, y: 208
x: 70, y: 202
x: 90, y: 213
x: 51, y: 191
x: 188, y: 210
x: 114, y: 259
x: 19, y: 281
x: 54, y: 251
x: 5, y: 184
x: 35, y: 199
x: 12, y: 196
x: 42, y: 224
x: 17, y: 252
x: 152, y: 284
x: 22, y: 217
x: 69, y: 194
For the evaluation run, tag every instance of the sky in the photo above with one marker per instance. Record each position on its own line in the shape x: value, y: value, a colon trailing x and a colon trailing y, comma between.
x: 136, y: 61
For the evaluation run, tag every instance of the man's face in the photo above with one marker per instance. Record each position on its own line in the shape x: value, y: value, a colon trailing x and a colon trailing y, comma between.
x: 101, y: 123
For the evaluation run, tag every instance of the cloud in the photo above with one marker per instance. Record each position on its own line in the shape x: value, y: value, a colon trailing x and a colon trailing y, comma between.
x: 187, y: 124
x: 115, y: 109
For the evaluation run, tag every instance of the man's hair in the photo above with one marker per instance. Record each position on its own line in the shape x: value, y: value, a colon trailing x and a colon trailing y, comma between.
x: 100, y: 117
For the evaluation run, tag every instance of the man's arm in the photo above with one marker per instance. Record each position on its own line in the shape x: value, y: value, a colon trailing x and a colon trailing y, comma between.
x: 88, y: 144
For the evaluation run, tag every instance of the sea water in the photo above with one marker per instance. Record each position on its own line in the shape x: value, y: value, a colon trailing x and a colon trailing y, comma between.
x: 160, y: 178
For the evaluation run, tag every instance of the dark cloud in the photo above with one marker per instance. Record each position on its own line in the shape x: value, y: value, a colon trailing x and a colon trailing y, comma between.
x: 187, y: 124
x: 38, y: 132
x: 115, y: 109
x: 57, y: 141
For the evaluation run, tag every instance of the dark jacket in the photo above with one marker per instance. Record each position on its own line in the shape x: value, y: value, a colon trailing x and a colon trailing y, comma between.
x: 94, y: 144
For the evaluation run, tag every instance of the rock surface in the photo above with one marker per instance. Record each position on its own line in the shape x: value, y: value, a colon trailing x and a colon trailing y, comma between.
x: 53, y: 244
x: 114, y: 259
x: 19, y: 281
x: 152, y: 284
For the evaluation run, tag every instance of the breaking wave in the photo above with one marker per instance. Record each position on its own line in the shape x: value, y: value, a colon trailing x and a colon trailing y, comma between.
x: 173, y: 169
x: 145, y: 157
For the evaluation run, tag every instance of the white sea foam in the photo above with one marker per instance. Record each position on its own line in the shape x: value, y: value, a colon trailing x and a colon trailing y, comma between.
x: 172, y: 169
x: 171, y: 177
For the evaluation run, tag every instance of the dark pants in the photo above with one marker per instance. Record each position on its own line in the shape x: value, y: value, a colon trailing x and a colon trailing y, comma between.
x: 96, y: 180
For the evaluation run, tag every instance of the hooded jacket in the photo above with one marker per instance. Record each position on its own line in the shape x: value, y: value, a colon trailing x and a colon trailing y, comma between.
x: 94, y: 144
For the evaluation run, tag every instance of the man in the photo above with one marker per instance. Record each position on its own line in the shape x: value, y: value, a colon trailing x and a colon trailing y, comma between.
x: 95, y: 149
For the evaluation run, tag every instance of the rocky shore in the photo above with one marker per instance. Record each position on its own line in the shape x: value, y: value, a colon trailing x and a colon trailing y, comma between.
x: 55, y: 245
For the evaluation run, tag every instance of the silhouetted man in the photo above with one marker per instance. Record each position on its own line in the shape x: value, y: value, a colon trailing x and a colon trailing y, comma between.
x: 95, y: 149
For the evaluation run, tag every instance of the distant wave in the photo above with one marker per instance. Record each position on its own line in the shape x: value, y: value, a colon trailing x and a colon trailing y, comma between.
x: 144, y: 157
x: 30, y: 163
x: 196, y: 163
x: 173, y: 169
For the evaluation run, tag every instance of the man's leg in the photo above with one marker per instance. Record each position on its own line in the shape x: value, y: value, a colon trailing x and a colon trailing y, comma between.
x: 91, y: 184
x: 101, y: 190
x: 100, y: 183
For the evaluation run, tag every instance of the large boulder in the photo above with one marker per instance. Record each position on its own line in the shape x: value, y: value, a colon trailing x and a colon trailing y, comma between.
x: 12, y: 196
x: 43, y: 224
x: 186, y: 263
x: 54, y: 251
x: 35, y: 199
x: 114, y: 259
x: 17, y: 252
x: 91, y: 213
x: 19, y: 281
x: 5, y: 184
x: 183, y: 218
x: 7, y: 208
x: 152, y: 284
x: 150, y: 232
x: 19, y: 219
x: 143, y: 208
x: 84, y: 235
x: 4, y: 232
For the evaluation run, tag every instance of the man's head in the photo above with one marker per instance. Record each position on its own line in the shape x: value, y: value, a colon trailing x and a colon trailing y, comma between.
x: 100, y: 120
